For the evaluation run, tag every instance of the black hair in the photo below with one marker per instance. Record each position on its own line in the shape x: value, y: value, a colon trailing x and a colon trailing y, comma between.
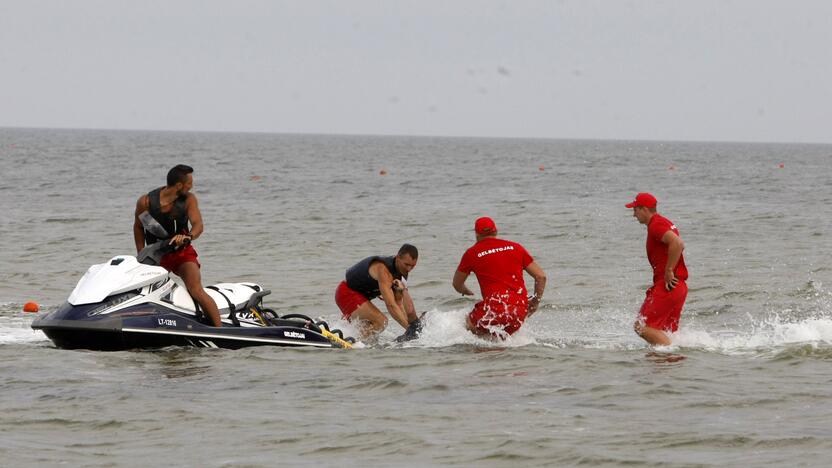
x: 179, y: 174
x: 410, y: 250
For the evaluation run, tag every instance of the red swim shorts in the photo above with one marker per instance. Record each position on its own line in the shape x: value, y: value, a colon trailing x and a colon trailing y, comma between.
x: 175, y: 259
x: 348, y: 300
x: 662, y: 308
x: 495, y: 314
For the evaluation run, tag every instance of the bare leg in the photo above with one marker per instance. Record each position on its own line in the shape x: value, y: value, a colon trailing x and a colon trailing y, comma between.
x: 189, y: 272
x: 470, y: 326
x: 652, y: 335
x: 370, y: 320
x: 484, y: 334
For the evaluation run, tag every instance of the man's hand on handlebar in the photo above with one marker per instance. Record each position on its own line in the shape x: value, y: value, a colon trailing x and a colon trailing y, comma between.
x: 180, y: 240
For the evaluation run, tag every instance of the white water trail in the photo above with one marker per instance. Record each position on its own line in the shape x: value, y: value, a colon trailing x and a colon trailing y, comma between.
x: 15, y: 326
x: 769, y: 334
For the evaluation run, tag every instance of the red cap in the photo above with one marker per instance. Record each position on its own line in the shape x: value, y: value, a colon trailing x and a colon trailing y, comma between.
x: 643, y: 199
x: 485, y: 226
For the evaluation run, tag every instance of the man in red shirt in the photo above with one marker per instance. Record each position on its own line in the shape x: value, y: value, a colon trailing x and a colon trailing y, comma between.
x: 662, y: 307
x: 499, y: 266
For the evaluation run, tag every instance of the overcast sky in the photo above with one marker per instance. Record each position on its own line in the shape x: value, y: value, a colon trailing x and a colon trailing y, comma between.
x: 749, y: 70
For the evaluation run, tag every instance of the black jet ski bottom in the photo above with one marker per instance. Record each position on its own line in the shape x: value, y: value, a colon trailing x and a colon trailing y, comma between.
x: 151, y: 329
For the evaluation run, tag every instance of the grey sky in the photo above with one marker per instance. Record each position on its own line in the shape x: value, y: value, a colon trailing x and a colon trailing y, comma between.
x: 671, y: 70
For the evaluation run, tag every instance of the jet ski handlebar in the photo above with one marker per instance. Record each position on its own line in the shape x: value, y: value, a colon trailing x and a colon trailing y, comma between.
x: 256, y: 298
x: 152, y: 254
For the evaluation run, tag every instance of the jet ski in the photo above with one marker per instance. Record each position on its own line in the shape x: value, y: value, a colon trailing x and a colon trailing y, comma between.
x: 125, y: 304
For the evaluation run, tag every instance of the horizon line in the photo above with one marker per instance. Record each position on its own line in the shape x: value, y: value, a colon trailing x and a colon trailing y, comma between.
x: 398, y: 135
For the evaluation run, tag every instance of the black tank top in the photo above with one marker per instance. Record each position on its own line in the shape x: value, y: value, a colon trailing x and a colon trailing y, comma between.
x: 174, y: 221
x: 359, y: 279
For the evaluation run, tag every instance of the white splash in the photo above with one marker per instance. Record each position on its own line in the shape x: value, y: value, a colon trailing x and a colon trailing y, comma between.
x: 441, y: 328
x: 17, y: 328
x: 770, y: 334
x: 613, y: 330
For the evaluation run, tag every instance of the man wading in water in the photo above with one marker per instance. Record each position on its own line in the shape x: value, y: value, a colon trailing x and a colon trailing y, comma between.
x: 380, y: 276
x: 662, y: 308
x: 499, y: 265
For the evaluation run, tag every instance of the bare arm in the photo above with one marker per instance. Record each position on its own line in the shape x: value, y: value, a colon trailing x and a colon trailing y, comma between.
x: 539, y: 276
x: 138, y: 229
x: 675, y: 246
x: 459, y: 283
x: 195, y: 216
x: 409, y: 307
x: 385, y: 284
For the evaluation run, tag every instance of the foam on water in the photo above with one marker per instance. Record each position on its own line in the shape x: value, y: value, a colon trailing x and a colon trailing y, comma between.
x: 810, y: 323
x: 15, y: 326
x: 608, y: 328
x: 445, y: 328
x: 769, y: 335
x: 441, y: 328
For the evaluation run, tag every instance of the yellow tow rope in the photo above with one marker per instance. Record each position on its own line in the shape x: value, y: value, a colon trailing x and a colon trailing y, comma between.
x: 332, y: 337
x: 335, y: 339
x: 259, y: 317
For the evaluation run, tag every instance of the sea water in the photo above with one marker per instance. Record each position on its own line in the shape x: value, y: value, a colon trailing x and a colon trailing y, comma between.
x: 747, y: 382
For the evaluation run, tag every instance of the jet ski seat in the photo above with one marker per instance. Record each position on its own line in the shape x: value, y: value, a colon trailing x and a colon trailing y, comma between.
x: 222, y: 293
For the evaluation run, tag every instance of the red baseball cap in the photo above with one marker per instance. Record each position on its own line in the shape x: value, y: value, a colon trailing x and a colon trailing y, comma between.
x: 643, y: 199
x: 485, y: 226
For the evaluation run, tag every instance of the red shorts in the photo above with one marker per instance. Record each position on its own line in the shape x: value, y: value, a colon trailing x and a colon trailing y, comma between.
x: 348, y: 300
x: 662, y: 308
x: 494, y: 314
x: 175, y: 259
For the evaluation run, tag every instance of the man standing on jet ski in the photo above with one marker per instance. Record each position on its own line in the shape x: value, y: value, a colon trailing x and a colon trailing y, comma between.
x: 163, y: 215
x: 379, y: 276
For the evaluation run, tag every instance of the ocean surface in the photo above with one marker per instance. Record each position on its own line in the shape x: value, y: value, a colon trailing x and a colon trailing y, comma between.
x: 747, y: 382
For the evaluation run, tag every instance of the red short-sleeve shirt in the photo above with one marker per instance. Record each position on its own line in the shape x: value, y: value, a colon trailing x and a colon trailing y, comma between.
x: 499, y: 265
x: 657, y: 250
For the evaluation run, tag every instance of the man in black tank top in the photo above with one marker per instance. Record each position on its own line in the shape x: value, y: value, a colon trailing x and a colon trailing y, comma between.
x: 378, y: 276
x: 164, y: 215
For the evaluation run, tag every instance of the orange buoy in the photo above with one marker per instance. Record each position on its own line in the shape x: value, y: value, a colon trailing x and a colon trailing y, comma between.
x: 671, y: 168
x: 782, y: 165
x: 382, y: 172
x: 541, y: 168
x: 31, y: 307
x: 254, y: 178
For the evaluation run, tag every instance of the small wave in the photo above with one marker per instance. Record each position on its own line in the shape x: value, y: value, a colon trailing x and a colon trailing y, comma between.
x: 66, y: 220
x: 426, y: 283
x: 773, y: 335
x: 413, y: 224
x: 811, y: 290
x: 17, y: 328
